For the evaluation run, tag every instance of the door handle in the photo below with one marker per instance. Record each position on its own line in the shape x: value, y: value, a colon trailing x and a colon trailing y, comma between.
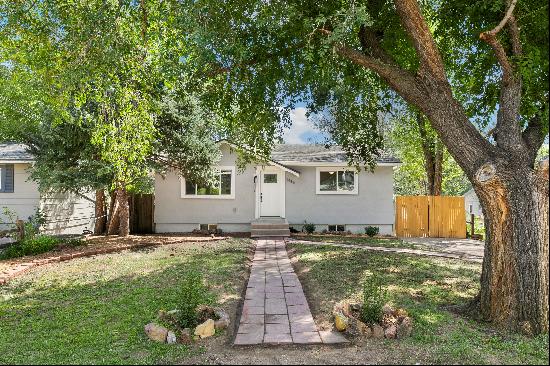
x: 261, y: 197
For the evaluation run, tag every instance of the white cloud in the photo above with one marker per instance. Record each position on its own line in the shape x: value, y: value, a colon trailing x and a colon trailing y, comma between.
x: 302, y: 128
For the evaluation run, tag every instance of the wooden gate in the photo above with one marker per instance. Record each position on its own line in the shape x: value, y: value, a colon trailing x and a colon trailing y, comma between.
x: 141, y: 213
x: 430, y: 216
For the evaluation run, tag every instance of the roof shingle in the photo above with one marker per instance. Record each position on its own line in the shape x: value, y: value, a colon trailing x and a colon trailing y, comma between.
x: 15, y: 152
x: 317, y: 153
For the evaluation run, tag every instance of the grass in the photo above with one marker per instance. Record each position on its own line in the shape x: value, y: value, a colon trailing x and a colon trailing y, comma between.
x: 360, y: 240
x: 427, y: 288
x: 93, y: 310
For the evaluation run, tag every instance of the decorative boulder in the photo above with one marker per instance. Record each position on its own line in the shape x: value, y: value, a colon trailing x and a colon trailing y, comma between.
x: 377, y: 331
x: 171, y: 337
x: 404, y: 329
x: 387, y: 309
x: 156, y: 332
x: 363, y: 329
x: 206, y: 329
x: 222, y: 321
x: 390, y: 332
x: 340, y: 321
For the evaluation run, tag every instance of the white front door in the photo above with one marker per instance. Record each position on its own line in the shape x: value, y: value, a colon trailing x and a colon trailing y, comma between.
x: 271, y: 196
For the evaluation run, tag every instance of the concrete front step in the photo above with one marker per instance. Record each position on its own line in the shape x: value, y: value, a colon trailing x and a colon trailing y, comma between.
x: 261, y: 226
x: 256, y: 233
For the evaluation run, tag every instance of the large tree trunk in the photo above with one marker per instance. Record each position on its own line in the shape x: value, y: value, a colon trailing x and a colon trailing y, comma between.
x: 100, y: 212
x: 120, y: 214
x: 432, y: 148
x: 514, y: 280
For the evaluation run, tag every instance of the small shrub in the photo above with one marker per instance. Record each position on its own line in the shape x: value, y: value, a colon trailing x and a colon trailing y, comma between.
x: 372, y: 230
x: 194, y: 293
x: 309, y: 228
x: 34, y: 245
x: 293, y: 230
x: 374, y: 298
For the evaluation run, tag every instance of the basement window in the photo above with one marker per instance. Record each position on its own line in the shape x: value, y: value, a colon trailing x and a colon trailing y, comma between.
x: 336, y: 228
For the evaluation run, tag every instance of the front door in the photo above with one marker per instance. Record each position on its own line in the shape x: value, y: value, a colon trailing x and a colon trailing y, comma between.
x: 270, y: 193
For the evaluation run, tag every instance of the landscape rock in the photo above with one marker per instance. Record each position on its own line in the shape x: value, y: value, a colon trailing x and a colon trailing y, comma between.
x: 404, y: 329
x: 205, y: 312
x: 156, y: 332
x: 185, y: 336
x: 340, y: 321
x: 400, y: 313
x: 223, y: 319
x: 363, y: 329
x: 390, y: 332
x: 171, y: 337
x: 206, y: 329
x: 377, y: 331
x: 355, y: 306
x: 387, y: 309
x: 346, y: 309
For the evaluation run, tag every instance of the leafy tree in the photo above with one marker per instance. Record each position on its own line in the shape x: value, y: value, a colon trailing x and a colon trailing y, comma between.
x: 460, y: 63
x: 427, y: 168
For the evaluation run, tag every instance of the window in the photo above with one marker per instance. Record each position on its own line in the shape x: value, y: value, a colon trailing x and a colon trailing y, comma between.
x: 223, y: 188
x: 336, y: 181
x: 270, y: 178
x: 333, y: 228
x: 6, y: 178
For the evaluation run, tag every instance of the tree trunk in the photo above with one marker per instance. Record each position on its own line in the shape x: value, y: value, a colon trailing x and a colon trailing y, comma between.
x: 120, y: 216
x: 514, y: 280
x: 432, y: 149
x: 100, y: 212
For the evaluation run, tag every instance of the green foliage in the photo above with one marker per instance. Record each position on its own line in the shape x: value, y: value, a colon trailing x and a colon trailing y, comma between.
x: 308, y: 227
x: 193, y: 293
x: 30, y: 246
x: 374, y: 298
x: 372, y: 230
x: 410, y: 177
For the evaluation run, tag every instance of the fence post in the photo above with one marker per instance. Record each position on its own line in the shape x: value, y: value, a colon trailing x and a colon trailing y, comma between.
x: 472, y: 225
x: 20, y: 225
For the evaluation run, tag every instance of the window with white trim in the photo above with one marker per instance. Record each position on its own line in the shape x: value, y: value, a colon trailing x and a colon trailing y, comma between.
x: 223, y: 188
x: 6, y: 178
x: 336, y: 181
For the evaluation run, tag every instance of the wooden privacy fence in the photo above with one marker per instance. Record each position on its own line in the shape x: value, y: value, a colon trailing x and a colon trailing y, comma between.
x: 430, y: 216
x: 142, y: 207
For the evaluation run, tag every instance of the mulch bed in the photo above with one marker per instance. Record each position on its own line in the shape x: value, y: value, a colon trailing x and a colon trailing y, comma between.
x: 95, y: 245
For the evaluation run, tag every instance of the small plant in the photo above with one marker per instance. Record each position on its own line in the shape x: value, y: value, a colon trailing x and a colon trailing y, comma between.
x: 194, y: 293
x: 308, y: 227
x: 30, y: 246
x: 293, y: 230
x: 374, y: 298
x: 372, y: 230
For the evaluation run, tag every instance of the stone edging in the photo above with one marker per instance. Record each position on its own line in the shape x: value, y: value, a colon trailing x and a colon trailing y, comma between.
x: 425, y: 253
x: 20, y: 268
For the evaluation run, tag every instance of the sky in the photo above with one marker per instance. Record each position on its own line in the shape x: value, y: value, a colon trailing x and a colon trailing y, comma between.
x: 302, y: 130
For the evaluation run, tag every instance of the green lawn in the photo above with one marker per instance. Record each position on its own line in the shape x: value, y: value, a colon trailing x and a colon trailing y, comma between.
x: 426, y: 287
x: 92, y: 310
x: 360, y: 240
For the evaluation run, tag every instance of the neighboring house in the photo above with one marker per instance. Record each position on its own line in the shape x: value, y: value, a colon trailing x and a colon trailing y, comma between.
x: 471, y: 203
x: 300, y: 183
x: 64, y: 213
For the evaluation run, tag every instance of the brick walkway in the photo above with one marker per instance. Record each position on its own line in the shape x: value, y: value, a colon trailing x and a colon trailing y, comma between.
x: 275, y: 309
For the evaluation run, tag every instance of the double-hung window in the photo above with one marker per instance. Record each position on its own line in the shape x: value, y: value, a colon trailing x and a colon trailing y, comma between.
x: 337, y: 181
x: 224, y: 186
x: 6, y: 178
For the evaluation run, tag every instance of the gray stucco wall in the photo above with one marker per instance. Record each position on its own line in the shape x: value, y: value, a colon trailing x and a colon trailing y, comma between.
x: 176, y: 214
x: 373, y: 205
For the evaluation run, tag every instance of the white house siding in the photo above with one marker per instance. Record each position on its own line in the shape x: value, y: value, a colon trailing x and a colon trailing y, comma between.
x: 372, y: 206
x: 472, y: 204
x: 176, y: 214
x: 65, y: 213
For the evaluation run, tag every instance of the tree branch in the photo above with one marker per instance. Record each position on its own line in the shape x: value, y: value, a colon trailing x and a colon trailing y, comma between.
x: 533, y: 136
x: 397, y: 78
x: 417, y: 28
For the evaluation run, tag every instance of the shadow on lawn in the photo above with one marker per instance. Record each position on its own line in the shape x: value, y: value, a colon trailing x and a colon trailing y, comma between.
x: 99, y: 318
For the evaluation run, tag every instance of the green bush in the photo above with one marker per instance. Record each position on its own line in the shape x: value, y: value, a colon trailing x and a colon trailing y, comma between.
x: 372, y: 230
x: 194, y: 293
x: 309, y: 228
x: 374, y: 298
x: 36, y: 244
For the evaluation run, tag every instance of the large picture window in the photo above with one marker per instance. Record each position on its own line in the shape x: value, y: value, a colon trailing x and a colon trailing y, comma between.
x: 336, y: 181
x: 223, y: 188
